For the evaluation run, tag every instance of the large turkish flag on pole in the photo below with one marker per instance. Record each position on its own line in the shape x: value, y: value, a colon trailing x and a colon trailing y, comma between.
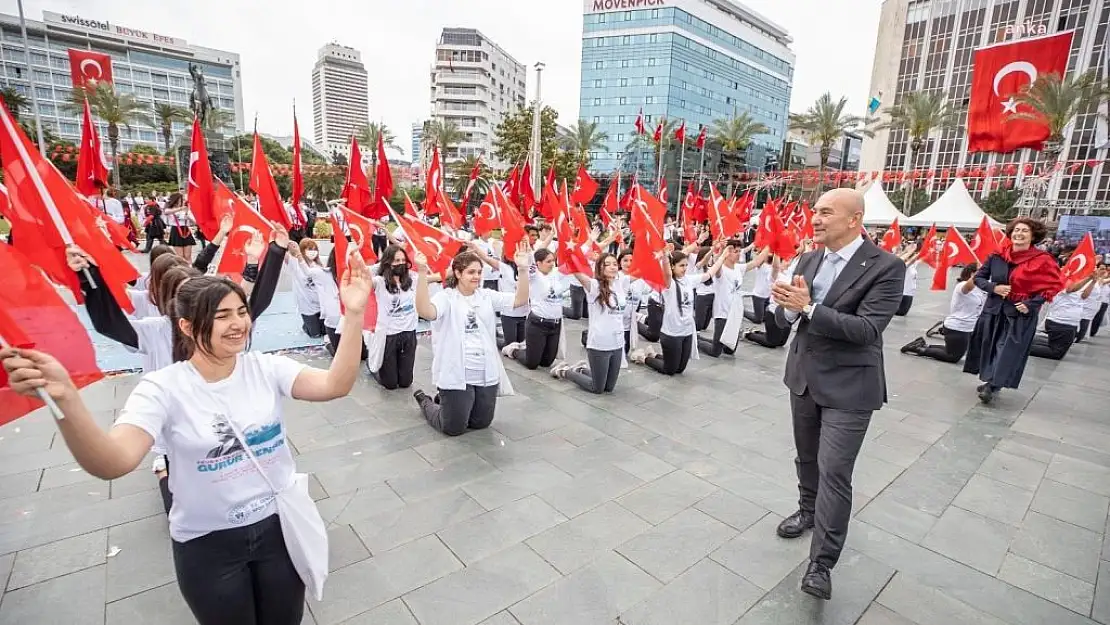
x: 86, y: 66
x: 1001, y: 71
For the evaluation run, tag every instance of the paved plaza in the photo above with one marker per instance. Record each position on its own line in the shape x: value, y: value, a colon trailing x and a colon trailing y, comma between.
x: 653, y: 506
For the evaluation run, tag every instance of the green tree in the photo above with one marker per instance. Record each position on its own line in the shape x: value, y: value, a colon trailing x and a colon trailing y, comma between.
x: 459, y: 175
x: 918, y: 201
x: 513, y: 136
x: 323, y: 187
x: 734, y: 135
x: 442, y: 134
x: 14, y: 100
x: 114, y: 109
x: 1001, y: 204
x: 919, y: 114
x: 242, y: 150
x: 825, y: 122
x: 583, y: 138
x: 164, y: 116
x: 368, y: 138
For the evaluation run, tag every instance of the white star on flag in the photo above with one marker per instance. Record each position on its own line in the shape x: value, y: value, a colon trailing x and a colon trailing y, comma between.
x: 1009, y: 106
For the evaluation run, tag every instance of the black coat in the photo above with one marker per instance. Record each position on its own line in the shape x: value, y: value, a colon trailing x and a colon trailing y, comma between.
x: 1000, y: 343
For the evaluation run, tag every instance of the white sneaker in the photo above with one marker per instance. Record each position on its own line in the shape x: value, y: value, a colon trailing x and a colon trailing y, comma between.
x: 581, y: 365
x: 159, y: 464
x: 559, y: 369
x: 509, y: 351
x: 638, y: 355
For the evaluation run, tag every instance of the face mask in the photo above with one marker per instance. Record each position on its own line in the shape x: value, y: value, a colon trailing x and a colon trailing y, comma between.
x: 311, y: 254
x: 400, y: 270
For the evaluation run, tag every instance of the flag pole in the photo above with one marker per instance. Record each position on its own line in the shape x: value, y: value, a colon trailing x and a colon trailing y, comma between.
x: 31, y: 80
x: 681, y: 164
x: 701, y: 166
x: 41, y: 392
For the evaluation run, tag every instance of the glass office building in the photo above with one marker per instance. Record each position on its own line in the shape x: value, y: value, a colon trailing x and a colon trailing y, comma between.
x: 691, y: 60
x: 151, y: 66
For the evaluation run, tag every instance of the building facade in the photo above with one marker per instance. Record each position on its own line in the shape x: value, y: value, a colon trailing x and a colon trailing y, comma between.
x: 340, y: 99
x: 928, y: 45
x: 691, y: 60
x: 417, y: 148
x: 150, y: 66
x: 474, y: 83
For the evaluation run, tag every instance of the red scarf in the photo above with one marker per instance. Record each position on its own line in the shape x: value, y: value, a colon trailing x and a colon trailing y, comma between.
x: 1032, y: 272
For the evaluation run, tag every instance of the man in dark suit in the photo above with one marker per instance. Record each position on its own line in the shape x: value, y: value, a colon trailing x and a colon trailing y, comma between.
x: 834, y: 369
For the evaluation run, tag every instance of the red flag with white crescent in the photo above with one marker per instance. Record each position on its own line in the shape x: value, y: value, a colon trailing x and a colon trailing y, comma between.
x: 297, y: 189
x: 433, y: 182
x: 92, y: 168
x: 87, y: 68
x: 485, y: 216
x: 892, y: 238
x: 585, y: 187
x: 984, y: 243
x: 200, y: 190
x: 1081, y: 263
x: 246, y: 221
x: 262, y: 182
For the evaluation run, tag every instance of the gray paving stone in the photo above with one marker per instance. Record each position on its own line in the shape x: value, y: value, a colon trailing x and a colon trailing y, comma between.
x: 384, y: 531
x: 6, y: 563
x: 374, y: 581
x: 1074, y: 505
x: 1079, y: 473
x: 364, y: 471
x: 366, y: 502
x: 483, y: 589
x: 575, y: 543
x: 1072, y: 593
x: 589, y: 491
x: 19, y: 484
x: 344, y: 547
x: 857, y: 580
x: 1067, y: 548
x: 74, y: 599
x: 499, y: 529
x: 140, y: 480
x: 760, y: 556
x: 1015, y: 470
x: 501, y: 618
x: 657, y: 501
x: 59, y: 558
x: 880, y: 615
x: 705, y: 594
x: 165, y: 601
x: 516, y: 483
x: 887, y: 514
x: 1100, y: 611
x: 40, y: 529
x: 144, y: 560
x: 49, y: 503
x: 430, y: 482
x: 594, y: 594
x: 64, y: 475
x: 728, y: 508
x: 393, y: 613
x: 592, y: 456
x: 970, y: 538
x: 644, y: 466
x: 924, y: 604
x: 676, y: 544
x: 994, y: 500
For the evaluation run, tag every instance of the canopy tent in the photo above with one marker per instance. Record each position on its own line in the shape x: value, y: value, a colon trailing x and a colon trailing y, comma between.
x: 955, y: 207
x: 878, y: 210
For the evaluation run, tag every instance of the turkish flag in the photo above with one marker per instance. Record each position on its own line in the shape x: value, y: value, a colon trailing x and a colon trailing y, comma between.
x: 383, y: 177
x: 680, y: 134
x: 433, y: 181
x: 340, y: 225
x: 360, y: 230
x: 200, y: 190
x: 956, y: 251
x: 648, y: 214
x: 570, y: 254
x: 356, y: 188
x: 1081, y: 263
x: 984, y: 243
x: 512, y: 185
x: 928, y: 252
x: 609, y: 204
x: 437, y: 246
x: 892, y: 238
x: 92, y: 169
x: 722, y: 223
x: 88, y: 68
x: 526, y: 189
x: 584, y: 187
x: 474, y: 173
x: 512, y: 222
x: 33, y: 315
x: 448, y: 214
x: 485, y: 218
x: 640, y: 128
x: 297, y: 188
x: 262, y: 182
x: 689, y: 207
x: 1001, y: 71
x: 246, y: 222
x: 770, y: 226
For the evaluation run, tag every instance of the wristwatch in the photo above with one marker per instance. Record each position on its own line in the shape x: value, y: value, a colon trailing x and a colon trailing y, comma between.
x: 807, y: 310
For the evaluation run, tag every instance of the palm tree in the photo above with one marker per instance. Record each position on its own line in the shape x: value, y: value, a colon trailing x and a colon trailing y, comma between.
x: 14, y: 100
x: 443, y: 134
x: 165, y: 115
x: 322, y: 187
x: 735, y: 134
x: 583, y: 138
x: 114, y: 109
x: 368, y: 136
x: 825, y: 123
x: 920, y: 113
x: 459, y: 175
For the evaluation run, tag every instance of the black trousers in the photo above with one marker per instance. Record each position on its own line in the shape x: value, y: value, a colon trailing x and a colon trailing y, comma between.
x: 398, y: 360
x: 1096, y: 323
x: 676, y: 354
x: 772, y: 335
x: 954, y: 348
x: 333, y: 338
x: 827, y: 441
x: 1084, y: 325
x: 240, y: 576
x: 379, y: 242
x: 541, y: 343
x: 650, y: 328
x: 904, y: 307
x: 460, y: 409
x: 577, y: 308
x: 703, y: 310
x: 313, y: 325
x: 490, y: 284
x: 605, y: 367
x: 164, y: 487
x: 759, y: 309
x: 1056, y: 345
x: 715, y: 347
x: 512, y: 330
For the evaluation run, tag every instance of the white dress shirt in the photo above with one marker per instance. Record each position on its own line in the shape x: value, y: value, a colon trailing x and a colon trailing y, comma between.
x: 845, y: 253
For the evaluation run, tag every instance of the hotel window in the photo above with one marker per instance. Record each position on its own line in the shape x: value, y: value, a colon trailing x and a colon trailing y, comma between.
x: 626, y: 40
x: 622, y: 101
x: 624, y: 63
x: 597, y: 101
x: 620, y: 119
x: 598, y: 83
x: 599, y: 65
x: 651, y: 62
x: 650, y: 81
x: 649, y: 100
x: 624, y: 82
x: 653, y: 38
x: 654, y: 13
x: 628, y: 16
x: 597, y: 120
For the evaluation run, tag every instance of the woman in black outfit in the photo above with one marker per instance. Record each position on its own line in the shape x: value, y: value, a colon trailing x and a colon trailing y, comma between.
x: 153, y: 224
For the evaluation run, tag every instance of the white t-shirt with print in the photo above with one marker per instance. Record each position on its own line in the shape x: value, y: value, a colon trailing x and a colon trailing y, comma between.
x: 214, y: 483
x: 678, y: 317
x: 327, y: 294
x: 396, y: 311
x: 460, y: 349
x: 304, y: 293
x: 155, y: 342
x: 762, y: 287
x: 1092, y: 303
x: 727, y: 286
x: 506, y: 283
x: 545, y: 293
x: 1066, y: 308
x: 606, y: 324
x: 964, y: 311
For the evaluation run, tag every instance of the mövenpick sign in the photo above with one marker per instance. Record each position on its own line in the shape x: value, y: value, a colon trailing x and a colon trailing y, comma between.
x: 598, y: 6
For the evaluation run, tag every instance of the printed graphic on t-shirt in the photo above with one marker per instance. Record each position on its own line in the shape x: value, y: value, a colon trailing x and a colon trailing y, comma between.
x: 228, y: 453
x: 471, y: 322
x: 399, y: 307
x: 551, y: 296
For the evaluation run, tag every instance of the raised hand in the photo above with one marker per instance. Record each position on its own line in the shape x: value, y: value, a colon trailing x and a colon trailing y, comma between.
x: 77, y: 259
x: 421, y: 261
x: 356, y: 285
x: 226, y: 223
x: 281, y: 235
x: 29, y: 370
x: 523, y: 255
x: 254, y: 248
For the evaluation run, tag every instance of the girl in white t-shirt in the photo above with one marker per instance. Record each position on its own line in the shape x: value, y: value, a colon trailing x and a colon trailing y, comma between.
x: 466, y: 367
x: 218, y: 413
x: 676, y: 337
x: 963, y: 313
x: 728, y: 301
x: 512, y: 322
x: 607, y: 297
x: 544, y: 327
x: 395, y: 290
x: 909, y: 286
x: 300, y: 260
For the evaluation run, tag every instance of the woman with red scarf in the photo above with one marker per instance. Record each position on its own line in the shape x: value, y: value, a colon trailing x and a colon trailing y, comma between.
x: 1018, y: 281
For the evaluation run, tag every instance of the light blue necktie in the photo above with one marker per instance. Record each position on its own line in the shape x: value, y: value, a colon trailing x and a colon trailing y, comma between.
x: 825, y: 277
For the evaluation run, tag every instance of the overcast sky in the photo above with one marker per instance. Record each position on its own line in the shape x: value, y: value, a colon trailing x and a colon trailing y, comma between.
x: 277, y: 40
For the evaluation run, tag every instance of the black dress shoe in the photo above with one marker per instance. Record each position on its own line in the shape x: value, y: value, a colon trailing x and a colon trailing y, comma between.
x: 913, y: 346
x: 795, y: 525
x: 420, y: 396
x: 817, y: 581
x: 986, y: 395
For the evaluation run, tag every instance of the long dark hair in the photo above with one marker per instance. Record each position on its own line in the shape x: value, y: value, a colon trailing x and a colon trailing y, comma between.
x: 462, y: 260
x: 968, y: 271
x: 197, y: 301
x: 393, y: 283
x: 604, y: 284
x: 175, y: 200
x: 158, y: 268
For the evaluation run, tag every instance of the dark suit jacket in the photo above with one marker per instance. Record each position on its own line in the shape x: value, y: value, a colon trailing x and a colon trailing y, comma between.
x: 837, y: 354
x: 994, y: 272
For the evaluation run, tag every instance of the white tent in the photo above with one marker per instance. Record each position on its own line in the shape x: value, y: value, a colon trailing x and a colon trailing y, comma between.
x: 955, y: 207
x: 878, y: 210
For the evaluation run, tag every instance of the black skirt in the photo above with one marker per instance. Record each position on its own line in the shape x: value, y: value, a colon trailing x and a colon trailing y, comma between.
x: 181, y: 236
x: 999, y: 348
